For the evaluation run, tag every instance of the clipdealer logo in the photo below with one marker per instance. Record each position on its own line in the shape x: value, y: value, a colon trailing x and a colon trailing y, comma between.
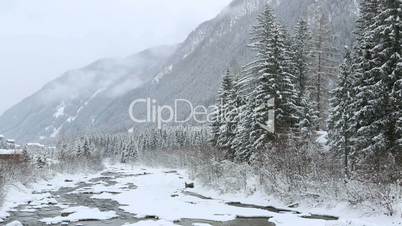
x: 164, y: 114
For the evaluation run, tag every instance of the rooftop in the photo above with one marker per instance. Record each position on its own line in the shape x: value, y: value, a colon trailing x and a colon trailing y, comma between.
x: 35, y: 145
x: 10, y: 151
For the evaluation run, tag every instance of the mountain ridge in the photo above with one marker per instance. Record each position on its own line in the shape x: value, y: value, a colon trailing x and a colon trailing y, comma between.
x: 192, y: 71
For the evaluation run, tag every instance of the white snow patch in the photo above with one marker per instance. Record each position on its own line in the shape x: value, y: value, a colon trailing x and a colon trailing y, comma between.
x: 38, y: 193
x: 35, y: 145
x: 15, y: 223
x: 10, y: 151
x: 59, y: 110
x: 56, y: 132
x: 80, y: 213
x: 322, y: 139
x: 70, y: 119
x: 73, y: 118
x: 152, y: 223
x: 95, y: 94
x: 155, y: 192
x: 161, y: 74
x: 17, y: 194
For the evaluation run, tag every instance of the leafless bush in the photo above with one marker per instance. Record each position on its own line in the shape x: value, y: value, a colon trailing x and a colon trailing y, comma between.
x: 387, y: 197
x: 295, y: 175
x: 70, y: 162
x: 12, y: 171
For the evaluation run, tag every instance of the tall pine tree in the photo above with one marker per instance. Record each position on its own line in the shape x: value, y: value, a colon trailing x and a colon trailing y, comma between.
x: 378, y: 132
x: 274, y: 84
x: 340, y: 130
x: 362, y: 65
x: 302, y: 56
x: 325, y: 63
x: 223, y: 125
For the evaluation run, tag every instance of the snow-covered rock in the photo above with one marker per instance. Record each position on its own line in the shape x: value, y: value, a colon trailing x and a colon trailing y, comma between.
x: 15, y: 223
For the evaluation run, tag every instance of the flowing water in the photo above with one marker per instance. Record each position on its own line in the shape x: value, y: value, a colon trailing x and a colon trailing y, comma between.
x: 77, y: 196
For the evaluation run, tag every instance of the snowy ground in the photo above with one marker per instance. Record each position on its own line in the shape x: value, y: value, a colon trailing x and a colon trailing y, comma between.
x: 126, y: 195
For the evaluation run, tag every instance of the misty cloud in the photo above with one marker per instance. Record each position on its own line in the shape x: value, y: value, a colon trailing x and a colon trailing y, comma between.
x: 41, y: 39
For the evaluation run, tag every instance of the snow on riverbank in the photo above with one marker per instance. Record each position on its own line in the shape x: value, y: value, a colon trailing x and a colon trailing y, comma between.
x: 160, y: 194
x: 346, y: 214
x: 153, y: 223
x: 150, y: 193
x: 80, y: 213
x: 15, y: 223
x: 37, y: 193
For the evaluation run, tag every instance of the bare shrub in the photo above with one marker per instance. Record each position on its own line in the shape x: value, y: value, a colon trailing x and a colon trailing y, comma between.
x: 293, y: 174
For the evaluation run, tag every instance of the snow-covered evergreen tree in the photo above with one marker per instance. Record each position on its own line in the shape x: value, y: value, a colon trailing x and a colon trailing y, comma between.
x: 226, y: 116
x: 324, y: 65
x: 340, y: 119
x: 378, y: 87
x: 233, y: 119
x: 274, y: 84
x: 302, y: 57
x: 262, y: 92
x: 309, y: 118
x: 86, y: 148
x: 244, y: 144
x: 362, y: 65
x: 216, y: 122
x: 78, y: 148
x: 243, y: 141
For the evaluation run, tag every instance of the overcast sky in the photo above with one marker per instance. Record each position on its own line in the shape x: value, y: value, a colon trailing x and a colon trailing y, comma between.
x: 41, y: 39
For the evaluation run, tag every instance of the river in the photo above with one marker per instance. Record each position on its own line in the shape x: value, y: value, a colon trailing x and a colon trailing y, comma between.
x: 141, y: 196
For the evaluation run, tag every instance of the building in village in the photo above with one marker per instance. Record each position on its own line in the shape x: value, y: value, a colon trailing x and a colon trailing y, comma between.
x: 2, y: 142
x: 10, y: 144
x: 11, y: 155
x: 10, y: 151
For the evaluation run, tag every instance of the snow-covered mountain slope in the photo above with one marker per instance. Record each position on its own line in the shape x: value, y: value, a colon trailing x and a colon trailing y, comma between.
x: 97, y: 98
x: 195, y: 70
x: 73, y: 101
